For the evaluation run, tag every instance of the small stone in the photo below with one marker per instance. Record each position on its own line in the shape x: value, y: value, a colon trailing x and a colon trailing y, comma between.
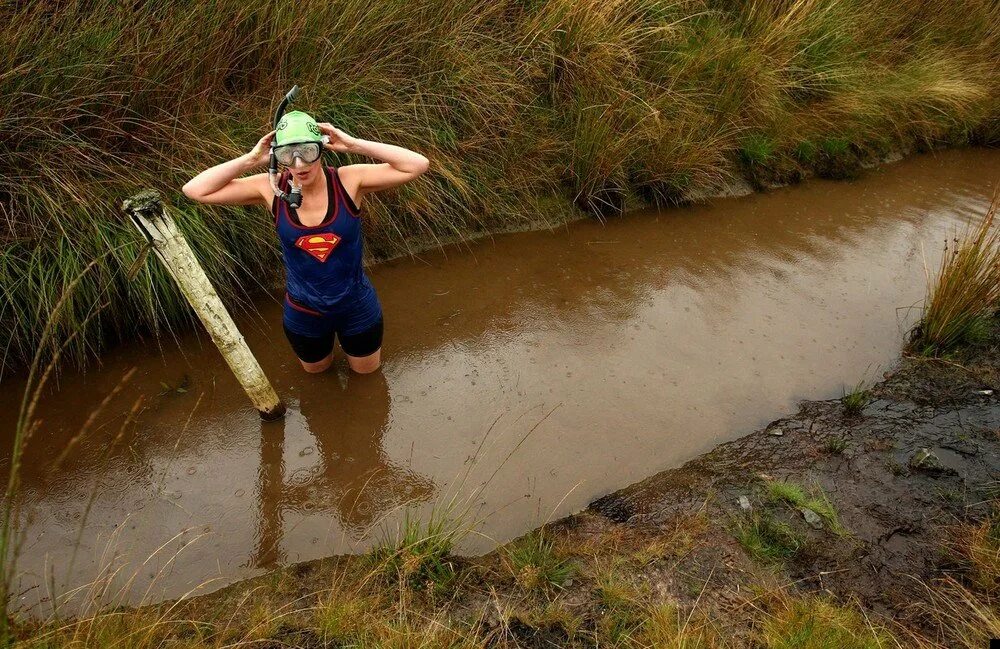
x: 744, y: 503
x: 568, y: 583
x: 812, y: 518
x: 925, y: 460
x: 775, y: 432
x: 306, y: 451
x: 986, y: 392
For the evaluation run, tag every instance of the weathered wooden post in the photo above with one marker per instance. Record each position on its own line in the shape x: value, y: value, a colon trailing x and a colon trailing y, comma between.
x: 150, y: 216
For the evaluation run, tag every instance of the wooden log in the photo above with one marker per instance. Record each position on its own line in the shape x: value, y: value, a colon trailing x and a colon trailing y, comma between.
x: 151, y: 217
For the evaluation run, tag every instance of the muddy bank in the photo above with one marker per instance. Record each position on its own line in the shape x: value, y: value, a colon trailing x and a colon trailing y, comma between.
x: 895, y: 501
x: 899, y: 477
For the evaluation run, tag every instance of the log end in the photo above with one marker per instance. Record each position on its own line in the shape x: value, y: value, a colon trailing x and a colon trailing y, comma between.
x: 274, y: 413
x: 146, y: 203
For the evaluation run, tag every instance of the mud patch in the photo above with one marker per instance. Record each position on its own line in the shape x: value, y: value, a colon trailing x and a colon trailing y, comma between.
x: 922, y: 456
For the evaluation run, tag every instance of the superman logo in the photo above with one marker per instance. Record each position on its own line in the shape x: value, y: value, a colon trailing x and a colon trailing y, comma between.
x: 318, y: 245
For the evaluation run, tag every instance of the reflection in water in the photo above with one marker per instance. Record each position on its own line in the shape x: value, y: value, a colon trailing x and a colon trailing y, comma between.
x: 351, y: 476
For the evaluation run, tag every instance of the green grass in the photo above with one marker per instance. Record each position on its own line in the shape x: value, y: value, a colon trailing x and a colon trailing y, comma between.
x: 420, y: 555
x: 515, y: 103
x: 343, y: 619
x: 768, y: 540
x: 835, y: 445
x: 783, y: 491
x: 622, y: 610
x: 856, y: 400
x: 817, y: 623
x: 534, y: 564
x: 757, y: 150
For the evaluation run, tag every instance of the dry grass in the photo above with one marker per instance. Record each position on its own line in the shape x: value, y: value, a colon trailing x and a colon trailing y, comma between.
x: 962, y: 610
x: 812, y: 622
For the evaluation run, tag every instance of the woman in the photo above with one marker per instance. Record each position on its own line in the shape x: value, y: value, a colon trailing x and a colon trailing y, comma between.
x: 327, y: 292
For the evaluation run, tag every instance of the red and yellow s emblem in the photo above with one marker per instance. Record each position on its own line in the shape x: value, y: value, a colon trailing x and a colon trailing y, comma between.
x: 318, y: 245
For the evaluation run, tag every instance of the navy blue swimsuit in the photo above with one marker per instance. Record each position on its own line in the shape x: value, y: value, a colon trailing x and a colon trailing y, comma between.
x: 326, y: 288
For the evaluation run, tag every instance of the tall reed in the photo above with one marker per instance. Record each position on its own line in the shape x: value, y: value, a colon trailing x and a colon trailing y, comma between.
x: 599, y: 104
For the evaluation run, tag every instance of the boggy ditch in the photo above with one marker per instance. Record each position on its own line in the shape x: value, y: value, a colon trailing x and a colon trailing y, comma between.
x: 524, y: 377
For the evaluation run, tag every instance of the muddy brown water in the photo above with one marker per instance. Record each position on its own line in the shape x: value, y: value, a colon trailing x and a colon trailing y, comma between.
x: 524, y: 376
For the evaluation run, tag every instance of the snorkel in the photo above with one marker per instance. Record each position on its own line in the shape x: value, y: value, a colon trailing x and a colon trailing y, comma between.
x: 294, y: 197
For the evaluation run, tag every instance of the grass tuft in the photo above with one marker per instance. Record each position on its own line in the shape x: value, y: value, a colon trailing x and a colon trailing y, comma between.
x: 533, y: 562
x: 767, y: 540
x: 965, y: 293
x: 856, y: 400
x: 981, y: 545
x: 816, y: 623
x: 835, y: 445
x: 420, y: 556
x: 781, y: 491
x: 622, y: 610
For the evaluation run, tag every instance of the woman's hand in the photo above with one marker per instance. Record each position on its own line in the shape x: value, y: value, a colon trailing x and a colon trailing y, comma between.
x: 259, y: 154
x: 339, y: 141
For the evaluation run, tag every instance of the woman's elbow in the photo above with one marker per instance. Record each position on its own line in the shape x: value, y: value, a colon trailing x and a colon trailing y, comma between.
x: 191, y: 191
x: 422, y: 165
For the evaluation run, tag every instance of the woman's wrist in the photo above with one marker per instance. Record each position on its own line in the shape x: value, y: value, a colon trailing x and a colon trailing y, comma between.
x: 359, y: 146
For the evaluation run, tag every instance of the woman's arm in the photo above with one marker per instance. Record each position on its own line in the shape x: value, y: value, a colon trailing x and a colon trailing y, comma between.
x: 400, y: 165
x: 221, y: 184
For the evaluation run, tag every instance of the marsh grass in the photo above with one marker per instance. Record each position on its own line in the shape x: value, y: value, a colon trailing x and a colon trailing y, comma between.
x: 795, y: 495
x: 813, y: 622
x: 856, y: 400
x: 979, y: 544
x: 964, y: 294
x: 44, y: 362
x: 835, y: 445
x: 420, y: 554
x: 590, y: 104
x: 621, y: 604
x: 962, y: 606
x: 534, y: 563
x: 767, y: 540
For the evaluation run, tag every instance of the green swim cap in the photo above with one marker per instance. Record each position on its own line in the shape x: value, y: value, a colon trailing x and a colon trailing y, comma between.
x: 296, y: 127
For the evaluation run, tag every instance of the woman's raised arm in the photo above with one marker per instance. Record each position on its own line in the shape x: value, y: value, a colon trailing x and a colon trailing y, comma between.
x: 400, y: 166
x: 222, y: 185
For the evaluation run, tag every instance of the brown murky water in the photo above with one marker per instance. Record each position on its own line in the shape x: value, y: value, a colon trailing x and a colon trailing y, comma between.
x: 523, y: 377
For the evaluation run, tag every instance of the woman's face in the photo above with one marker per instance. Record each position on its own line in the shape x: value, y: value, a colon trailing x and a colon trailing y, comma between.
x: 305, y: 173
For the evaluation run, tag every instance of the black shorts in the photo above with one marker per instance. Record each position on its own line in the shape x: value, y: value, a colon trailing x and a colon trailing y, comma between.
x: 312, y: 349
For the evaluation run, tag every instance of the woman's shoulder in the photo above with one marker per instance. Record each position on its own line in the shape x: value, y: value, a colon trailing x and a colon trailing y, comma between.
x: 262, y: 182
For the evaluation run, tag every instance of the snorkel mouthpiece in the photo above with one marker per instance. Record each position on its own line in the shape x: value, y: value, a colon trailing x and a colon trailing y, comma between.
x: 293, y: 197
